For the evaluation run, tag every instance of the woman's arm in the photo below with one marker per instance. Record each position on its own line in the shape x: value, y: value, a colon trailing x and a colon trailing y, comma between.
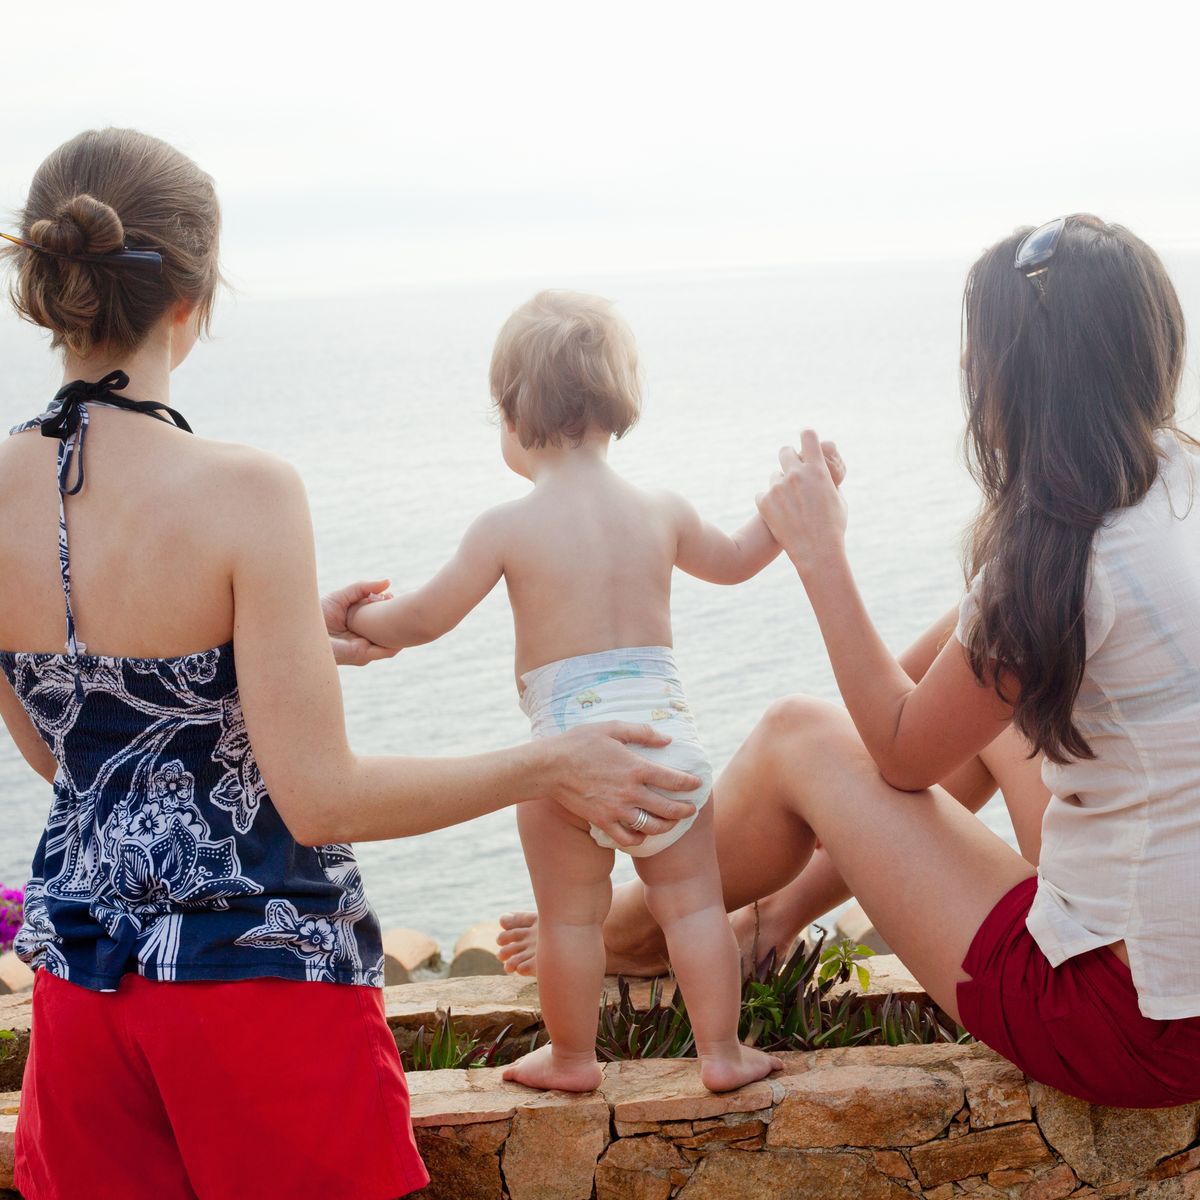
x: 424, y: 615
x: 916, y: 733
x: 35, y: 752
x: 292, y: 703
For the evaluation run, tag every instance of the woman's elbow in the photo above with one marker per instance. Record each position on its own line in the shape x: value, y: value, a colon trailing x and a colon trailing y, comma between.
x: 905, y: 777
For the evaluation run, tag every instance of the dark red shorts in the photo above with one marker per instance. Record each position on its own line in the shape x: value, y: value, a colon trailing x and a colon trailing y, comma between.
x: 1077, y: 1026
x: 264, y: 1088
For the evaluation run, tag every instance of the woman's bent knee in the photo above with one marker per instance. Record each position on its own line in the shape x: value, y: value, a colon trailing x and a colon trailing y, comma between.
x: 794, y: 720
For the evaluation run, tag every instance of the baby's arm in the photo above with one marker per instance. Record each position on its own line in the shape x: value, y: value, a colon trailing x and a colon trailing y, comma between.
x: 718, y: 557
x: 424, y: 615
x: 711, y: 554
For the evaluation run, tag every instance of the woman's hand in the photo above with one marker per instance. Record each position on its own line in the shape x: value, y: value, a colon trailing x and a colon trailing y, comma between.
x: 349, y: 649
x: 596, y: 777
x: 803, y: 508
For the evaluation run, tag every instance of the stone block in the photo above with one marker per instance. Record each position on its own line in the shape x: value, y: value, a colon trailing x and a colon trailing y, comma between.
x: 996, y: 1091
x: 1055, y: 1184
x: 639, y: 1168
x: 405, y: 951
x: 746, y: 1134
x: 893, y: 1163
x: 736, y: 1175
x: 1010, y: 1147
x: 554, y: 1146
x: 15, y: 976
x: 1106, y: 1145
x: 475, y: 1097
x: 457, y: 1169
x: 669, y: 1089
x: 855, y: 926
x: 1177, y: 1164
x: 481, y: 1006
x: 476, y: 952
x: 865, y: 1106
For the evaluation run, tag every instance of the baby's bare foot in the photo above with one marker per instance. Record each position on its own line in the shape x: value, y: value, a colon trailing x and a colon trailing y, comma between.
x: 729, y: 1070
x: 517, y: 940
x: 544, y: 1070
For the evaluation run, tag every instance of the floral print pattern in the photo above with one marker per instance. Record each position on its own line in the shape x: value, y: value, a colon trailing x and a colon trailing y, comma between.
x: 162, y: 852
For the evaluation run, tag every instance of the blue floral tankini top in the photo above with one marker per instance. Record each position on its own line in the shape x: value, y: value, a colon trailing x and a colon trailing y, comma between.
x: 163, y: 854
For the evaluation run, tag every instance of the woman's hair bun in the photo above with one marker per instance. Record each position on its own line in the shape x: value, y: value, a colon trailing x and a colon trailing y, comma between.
x: 83, y: 225
x: 70, y: 285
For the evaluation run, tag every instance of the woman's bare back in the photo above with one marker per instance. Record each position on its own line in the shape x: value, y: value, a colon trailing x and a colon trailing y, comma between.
x: 150, y: 539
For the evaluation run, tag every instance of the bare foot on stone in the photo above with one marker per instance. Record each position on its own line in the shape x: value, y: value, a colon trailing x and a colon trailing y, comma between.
x: 545, y: 1070
x: 725, y: 1072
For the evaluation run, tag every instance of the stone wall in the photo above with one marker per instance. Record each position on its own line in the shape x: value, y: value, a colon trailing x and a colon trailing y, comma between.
x: 861, y: 1124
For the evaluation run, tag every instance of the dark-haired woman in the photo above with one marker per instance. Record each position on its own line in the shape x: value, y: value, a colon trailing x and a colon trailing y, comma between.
x: 1079, y: 634
x: 207, y: 1017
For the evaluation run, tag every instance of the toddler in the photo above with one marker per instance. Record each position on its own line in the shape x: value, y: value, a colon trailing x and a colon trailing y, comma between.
x: 587, y: 558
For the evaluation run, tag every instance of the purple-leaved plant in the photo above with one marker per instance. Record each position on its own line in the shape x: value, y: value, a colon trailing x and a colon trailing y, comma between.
x: 12, y: 913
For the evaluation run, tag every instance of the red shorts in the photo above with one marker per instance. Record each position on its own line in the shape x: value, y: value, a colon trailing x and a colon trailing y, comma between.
x: 1076, y: 1026
x: 264, y: 1088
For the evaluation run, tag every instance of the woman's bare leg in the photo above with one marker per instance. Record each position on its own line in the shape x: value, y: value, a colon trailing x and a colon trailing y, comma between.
x: 775, y: 921
x: 925, y: 870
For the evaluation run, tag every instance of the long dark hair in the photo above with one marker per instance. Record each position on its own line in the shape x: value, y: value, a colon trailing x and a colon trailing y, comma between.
x: 1066, y: 379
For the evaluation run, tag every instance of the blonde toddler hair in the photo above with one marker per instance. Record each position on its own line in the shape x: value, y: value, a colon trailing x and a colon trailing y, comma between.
x: 564, y: 363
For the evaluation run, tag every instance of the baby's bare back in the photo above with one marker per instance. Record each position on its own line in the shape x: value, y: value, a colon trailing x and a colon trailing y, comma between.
x: 588, y: 566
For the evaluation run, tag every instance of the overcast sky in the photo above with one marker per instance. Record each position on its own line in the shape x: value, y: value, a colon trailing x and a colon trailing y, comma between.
x: 360, y: 144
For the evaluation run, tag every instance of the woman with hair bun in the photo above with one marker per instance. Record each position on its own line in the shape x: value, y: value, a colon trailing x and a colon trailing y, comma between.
x: 207, y: 1013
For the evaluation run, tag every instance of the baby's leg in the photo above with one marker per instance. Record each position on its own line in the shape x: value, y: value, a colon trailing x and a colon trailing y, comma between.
x: 571, y: 884
x: 683, y: 893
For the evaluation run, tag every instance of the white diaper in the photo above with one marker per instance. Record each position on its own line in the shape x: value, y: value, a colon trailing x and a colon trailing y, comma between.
x: 639, y: 684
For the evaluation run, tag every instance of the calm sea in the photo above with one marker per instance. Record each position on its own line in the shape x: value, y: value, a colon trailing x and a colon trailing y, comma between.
x: 381, y: 402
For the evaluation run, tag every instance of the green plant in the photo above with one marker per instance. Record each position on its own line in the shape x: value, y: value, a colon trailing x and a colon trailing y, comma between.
x: 843, y: 959
x: 794, y: 1005
x: 448, y: 1048
x: 661, y: 1031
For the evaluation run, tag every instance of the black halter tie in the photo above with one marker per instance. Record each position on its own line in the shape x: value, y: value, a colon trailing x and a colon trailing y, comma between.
x: 68, y: 419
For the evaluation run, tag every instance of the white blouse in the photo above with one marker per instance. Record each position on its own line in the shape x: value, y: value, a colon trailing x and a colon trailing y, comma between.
x: 1120, y: 853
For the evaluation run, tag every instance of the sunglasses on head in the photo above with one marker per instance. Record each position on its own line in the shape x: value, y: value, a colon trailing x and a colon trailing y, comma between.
x: 144, y: 258
x: 1036, y: 249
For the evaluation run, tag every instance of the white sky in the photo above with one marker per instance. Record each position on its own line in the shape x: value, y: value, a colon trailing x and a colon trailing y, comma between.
x: 368, y: 144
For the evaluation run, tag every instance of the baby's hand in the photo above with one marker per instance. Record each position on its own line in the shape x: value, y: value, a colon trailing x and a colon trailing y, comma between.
x: 833, y: 460
x: 348, y: 648
x: 358, y: 606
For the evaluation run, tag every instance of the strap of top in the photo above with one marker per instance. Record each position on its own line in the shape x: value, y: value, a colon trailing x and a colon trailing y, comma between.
x: 67, y: 420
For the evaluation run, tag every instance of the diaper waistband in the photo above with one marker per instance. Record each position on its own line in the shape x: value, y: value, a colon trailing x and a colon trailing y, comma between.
x: 610, y: 684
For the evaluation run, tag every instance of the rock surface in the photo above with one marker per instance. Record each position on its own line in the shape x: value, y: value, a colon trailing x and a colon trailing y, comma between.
x: 865, y: 1106
x: 475, y: 953
x: 406, y: 951
x: 15, y: 976
x: 1105, y: 1145
x: 552, y: 1151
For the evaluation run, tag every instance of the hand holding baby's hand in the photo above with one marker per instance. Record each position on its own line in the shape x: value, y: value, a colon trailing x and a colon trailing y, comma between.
x: 349, y: 649
x: 803, y: 508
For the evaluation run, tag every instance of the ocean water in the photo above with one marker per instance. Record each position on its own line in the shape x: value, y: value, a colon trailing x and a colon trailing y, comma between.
x: 381, y: 402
